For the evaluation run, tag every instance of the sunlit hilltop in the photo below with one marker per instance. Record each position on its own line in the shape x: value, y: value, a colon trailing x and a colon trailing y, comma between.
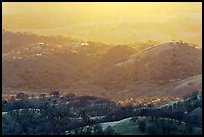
x: 112, y: 23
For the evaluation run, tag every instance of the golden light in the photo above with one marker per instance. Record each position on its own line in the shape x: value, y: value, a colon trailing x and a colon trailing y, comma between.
x: 109, y: 22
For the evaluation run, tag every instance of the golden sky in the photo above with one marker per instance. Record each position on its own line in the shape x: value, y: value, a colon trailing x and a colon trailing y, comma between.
x: 109, y: 22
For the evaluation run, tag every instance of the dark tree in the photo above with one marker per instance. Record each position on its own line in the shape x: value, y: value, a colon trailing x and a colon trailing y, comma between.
x: 55, y: 93
x: 21, y: 96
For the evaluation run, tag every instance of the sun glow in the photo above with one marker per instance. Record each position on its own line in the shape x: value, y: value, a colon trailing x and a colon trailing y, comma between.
x: 109, y: 22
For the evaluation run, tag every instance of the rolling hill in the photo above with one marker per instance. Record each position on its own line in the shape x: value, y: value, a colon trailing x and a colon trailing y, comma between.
x: 88, y: 68
x: 154, y: 71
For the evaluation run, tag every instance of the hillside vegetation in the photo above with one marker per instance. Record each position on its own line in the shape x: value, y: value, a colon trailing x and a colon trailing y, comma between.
x: 71, y: 114
x: 35, y: 64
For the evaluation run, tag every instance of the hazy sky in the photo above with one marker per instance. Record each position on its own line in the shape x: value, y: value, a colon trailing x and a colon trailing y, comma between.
x: 109, y: 22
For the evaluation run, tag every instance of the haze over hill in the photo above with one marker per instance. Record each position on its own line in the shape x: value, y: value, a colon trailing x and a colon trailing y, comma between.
x: 102, y: 68
x: 111, y: 23
x: 90, y: 68
x: 102, y: 49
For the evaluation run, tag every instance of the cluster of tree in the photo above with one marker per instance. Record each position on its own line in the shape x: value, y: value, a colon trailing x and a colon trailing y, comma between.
x: 180, y: 111
x: 163, y: 126
x: 71, y: 114
x: 52, y: 113
x: 41, y: 123
x: 95, y: 106
x: 167, y: 120
x: 91, y: 128
x: 49, y: 122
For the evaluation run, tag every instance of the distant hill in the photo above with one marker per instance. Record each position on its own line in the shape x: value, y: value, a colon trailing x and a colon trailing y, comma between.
x: 90, y: 68
x: 167, y: 61
x: 152, y: 71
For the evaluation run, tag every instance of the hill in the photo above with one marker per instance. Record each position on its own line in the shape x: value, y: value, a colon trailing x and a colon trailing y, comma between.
x: 153, y: 71
x: 41, y: 63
